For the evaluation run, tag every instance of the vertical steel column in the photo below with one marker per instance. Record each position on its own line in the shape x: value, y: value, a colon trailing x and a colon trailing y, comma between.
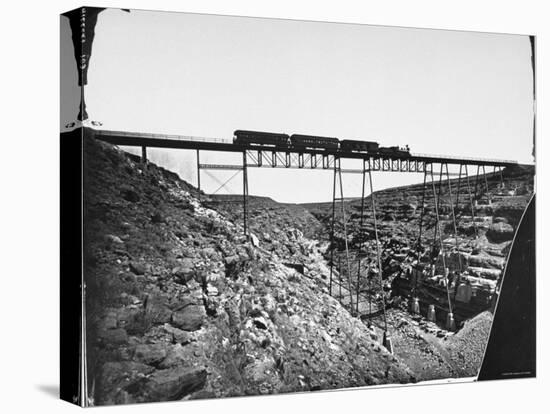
x: 378, y: 252
x: 423, y: 209
x: 419, y: 241
x: 436, y: 197
x: 440, y: 192
x: 475, y: 187
x: 144, y: 157
x: 362, y: 235
x: 438, y: 229
x: 245, y: 195
x: 454, y: 216
x: 339, y: 280
x: 458, y: 187
x: 487, y: 186
x: 342, y: 204
x: 471, y: 200
x: 332, y: 227
x: 369, y: 288
x: 199, y: 174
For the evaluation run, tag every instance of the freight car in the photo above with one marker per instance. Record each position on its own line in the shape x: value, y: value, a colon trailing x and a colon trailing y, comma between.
x: 359, y: 146
x: 243, y: 137
x: 313, y: 141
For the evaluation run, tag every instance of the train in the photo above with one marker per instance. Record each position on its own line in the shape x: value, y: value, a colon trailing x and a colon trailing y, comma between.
x: 302, y: 142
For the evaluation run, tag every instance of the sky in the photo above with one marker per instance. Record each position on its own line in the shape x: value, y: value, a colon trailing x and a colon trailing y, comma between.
x: 441, y: 92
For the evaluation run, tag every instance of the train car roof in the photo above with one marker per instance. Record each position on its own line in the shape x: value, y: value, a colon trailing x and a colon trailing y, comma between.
x: 312, y: 136
x: 357, y: 140
x: 245, y: 131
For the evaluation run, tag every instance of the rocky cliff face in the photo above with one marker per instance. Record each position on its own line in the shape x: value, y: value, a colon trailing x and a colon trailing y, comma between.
x: 474, y: 255
x: 181, y: 305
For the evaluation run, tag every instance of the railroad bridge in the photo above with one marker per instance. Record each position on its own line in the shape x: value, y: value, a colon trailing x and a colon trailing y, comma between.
x: 435, y: 169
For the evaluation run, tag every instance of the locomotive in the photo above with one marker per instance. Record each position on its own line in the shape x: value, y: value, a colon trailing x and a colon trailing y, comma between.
x: 403, y: 152
x: 299, y: 141
x: 360, y: 146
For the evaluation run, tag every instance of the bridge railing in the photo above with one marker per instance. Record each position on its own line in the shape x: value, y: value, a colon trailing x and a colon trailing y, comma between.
x: 164, y: 136
x: 416, y: 154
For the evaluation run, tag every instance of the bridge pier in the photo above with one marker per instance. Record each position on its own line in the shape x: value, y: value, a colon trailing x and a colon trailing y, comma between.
x: 199, y: 174
x: 144, y: 157
x: 245, y: 195
x: 471, y: 199
x: 338, y: 178
x: 438, y: 234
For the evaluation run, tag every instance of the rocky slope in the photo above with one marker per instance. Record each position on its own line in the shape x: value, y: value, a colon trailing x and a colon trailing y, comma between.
x: 181, y: 305
x: 475, y: 256
x: 477, y: 251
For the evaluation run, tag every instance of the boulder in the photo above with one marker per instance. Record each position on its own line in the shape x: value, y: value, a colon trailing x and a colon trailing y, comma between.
x: 150, y: 353
x: 183, y: 274
x: 179, y: 336
x: 486, y: 261
x: 209, y: 252
x: 112, y: 239
x: 177, y: 355
x: 234, y: 264
x: 157, y: 310
x: 500, y: 232
x: 211, y: 290
x: 129, y: 194
x: 190, y: 318
x: 485, y: 273
x: 121, y: 376
x: 137, y: 267
x: 232, y: 260
x: 175, y: 383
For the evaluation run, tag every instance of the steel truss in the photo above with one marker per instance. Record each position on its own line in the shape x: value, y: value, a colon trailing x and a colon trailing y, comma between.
x: 228, y: 167
x: 473, y: 196
x: 338, y: 198
x: 287, y: 159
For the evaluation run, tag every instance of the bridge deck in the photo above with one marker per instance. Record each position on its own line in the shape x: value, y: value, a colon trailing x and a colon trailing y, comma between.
x: 226, y: 145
